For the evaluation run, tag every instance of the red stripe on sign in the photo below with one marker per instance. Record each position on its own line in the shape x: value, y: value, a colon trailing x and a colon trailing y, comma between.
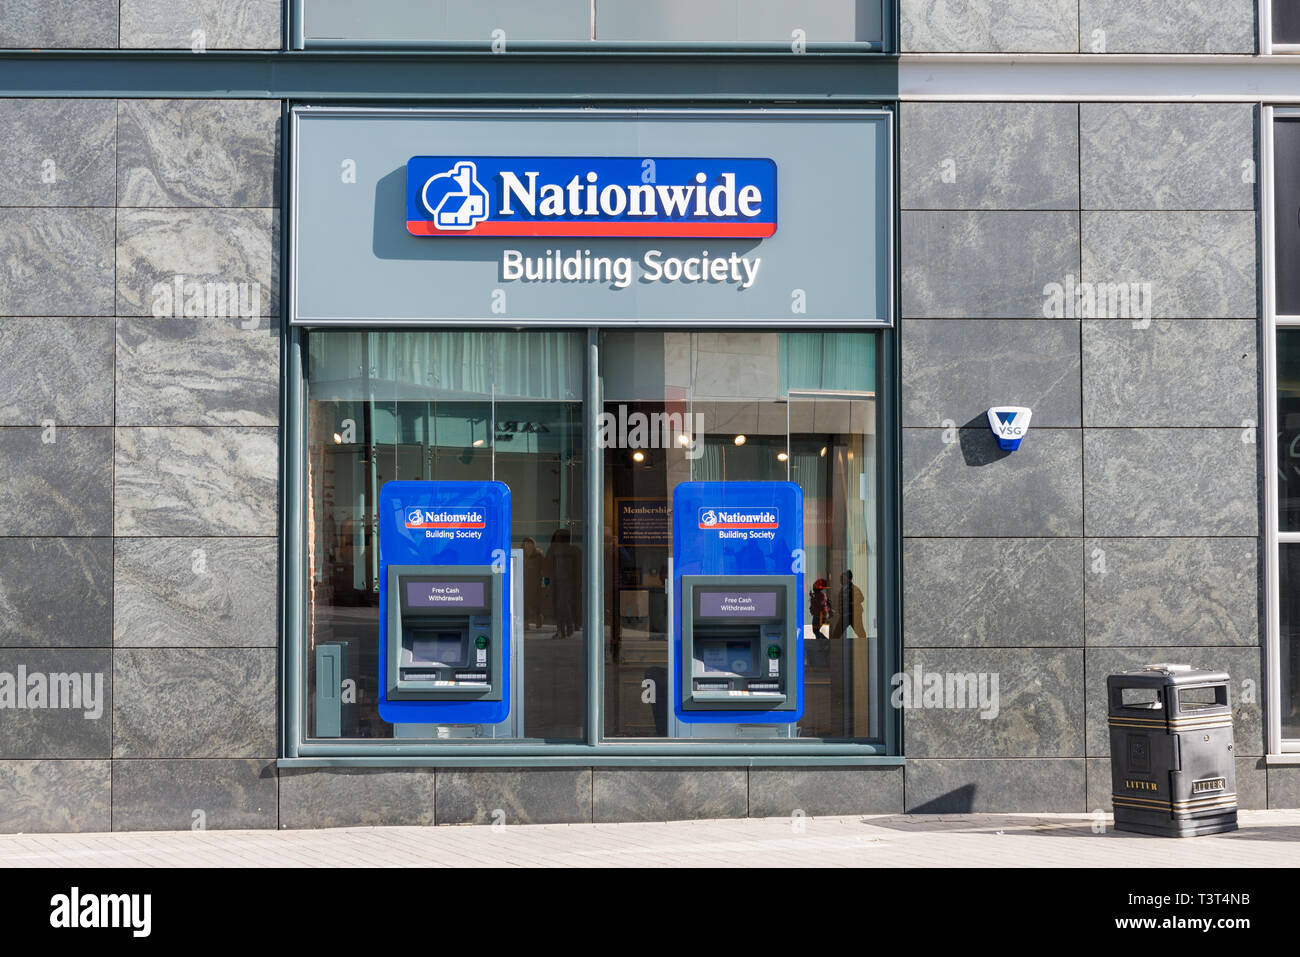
x: 743, y: 525
x: 446, y: 525
x: 419, y: 227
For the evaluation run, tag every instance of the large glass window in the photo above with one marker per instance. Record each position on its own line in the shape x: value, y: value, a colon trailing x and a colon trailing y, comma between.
x: 1288, y: 518
x: 444, y: 405
x: 1282, y: 358
x: 742, y: 406
x: 514, y: 407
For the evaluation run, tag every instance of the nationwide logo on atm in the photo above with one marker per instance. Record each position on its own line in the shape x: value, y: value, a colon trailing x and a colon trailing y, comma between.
x: 590, y: 196
x: 428, y: 518
x: 711, y: 518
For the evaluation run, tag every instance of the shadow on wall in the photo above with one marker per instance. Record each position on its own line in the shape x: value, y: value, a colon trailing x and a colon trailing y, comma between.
x: 960, y: 801
x: 979, y: 446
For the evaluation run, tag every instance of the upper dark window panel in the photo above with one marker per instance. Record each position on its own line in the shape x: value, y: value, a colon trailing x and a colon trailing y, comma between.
x: 1286, y: 21
x: 1286, y: 215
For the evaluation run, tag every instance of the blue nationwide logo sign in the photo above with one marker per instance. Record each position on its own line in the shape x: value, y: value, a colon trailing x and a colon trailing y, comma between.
x: 590, y: 196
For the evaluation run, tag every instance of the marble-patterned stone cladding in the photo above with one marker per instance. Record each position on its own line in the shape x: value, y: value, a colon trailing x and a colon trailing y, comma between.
x: 197, y: 25
x: 1077, y: 26
x: 1097, y: 262
x: 139, y: 460
x: 139, y: 450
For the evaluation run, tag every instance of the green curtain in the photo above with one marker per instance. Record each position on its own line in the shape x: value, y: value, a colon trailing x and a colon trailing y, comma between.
x: 828, y: 362
x: 422, y: 365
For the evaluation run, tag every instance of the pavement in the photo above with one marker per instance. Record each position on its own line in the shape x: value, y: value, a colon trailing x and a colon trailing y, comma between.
x: 1264, y: 839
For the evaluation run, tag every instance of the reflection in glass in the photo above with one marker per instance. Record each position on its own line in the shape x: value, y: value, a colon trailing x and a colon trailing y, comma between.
x: 446, y: 406
x: 1288, y: 420
x: 747, y: 406
x: 1289, y: 645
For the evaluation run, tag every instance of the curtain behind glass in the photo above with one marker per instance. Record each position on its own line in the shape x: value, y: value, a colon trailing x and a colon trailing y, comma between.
x: 828, y: 362
x: 399, y: 365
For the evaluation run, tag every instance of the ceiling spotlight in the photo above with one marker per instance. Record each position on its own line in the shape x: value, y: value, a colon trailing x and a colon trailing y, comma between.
x: 823, y: 452
x: 478, y: 443
x: 781, y: 456
x: 338, y: 439
x: 739, y: 440
x: 638, y: 456
x: 683, y: 440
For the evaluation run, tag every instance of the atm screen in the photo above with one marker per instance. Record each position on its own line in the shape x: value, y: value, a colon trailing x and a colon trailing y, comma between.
x: 720, y: 657
x: 737, y: 604
x: 444, y: 594
x: 442, y: 648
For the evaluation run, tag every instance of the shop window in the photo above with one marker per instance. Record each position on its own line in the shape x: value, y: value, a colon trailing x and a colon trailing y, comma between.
x: 514, y: 407
x: 1282, y: 356
x: 444, y: 406
x: 742, y: 406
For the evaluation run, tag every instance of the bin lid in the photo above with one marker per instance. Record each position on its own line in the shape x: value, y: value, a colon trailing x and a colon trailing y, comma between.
x: 1161, y: 675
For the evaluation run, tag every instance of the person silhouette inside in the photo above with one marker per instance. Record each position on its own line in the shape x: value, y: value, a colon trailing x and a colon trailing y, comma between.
x: 564, y: 569
x: 533, y: 562
x: 849, y: 608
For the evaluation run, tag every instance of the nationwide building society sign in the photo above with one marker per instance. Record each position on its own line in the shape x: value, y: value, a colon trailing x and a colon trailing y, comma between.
x: 727, y: 216
x: 600, y: 197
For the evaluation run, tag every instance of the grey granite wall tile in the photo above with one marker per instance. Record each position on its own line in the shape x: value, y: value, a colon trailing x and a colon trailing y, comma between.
x: 56, y: 152
x: 210, y: 249
x: 991, y: 26
x: 1200, y: 265
x: 668, y: 794
x: 1148, y: 156
x: 551, y: 796
x: 1153, y: 26
x: 1252, y: 783
x: 56, y: 592
x: 357, y: 797
x: 41, y: 797
x: 195, y: 593
x: 1284, y: 786
x: 992, y: 592
x: 194, y: 703
x: 1251, y: 775
x: 66, y: 24
x: 1034, y: 710
x: 198, y: 153
x: 56, y: 262
x: 992, y: 265
x: 1169, y: 482
x: 957, y: 368
x: 988, y: 155
x: 1173, y: 591
x: 55, y: 704
x: 1099, y: 786
x: 63, y: 487
x: 1175, y: 372
x: 984, y: 786
x: 194, y: 795
x: 779, y: 792
x: 56, y: 368
x: 969, y: 487
x: 185, y: 482
x: 1242, y: 664
x: 221, y: 24
x: 197, y: 372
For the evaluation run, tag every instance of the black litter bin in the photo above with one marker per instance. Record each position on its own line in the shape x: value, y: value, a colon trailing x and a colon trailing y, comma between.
x: 1171, y: 751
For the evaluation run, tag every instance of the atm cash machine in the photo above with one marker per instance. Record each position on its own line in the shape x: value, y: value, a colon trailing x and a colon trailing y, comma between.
x: 737, y: 655
x: 444, y: 584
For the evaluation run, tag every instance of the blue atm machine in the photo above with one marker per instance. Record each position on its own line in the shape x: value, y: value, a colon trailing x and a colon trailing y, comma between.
x: 444, y: 585
x: 738, y: 614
